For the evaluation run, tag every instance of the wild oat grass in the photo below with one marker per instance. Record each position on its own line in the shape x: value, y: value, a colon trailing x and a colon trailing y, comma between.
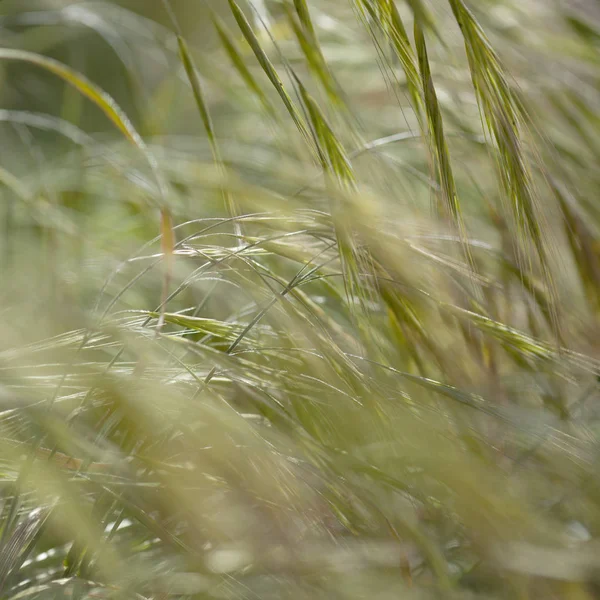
x: 300, y: 299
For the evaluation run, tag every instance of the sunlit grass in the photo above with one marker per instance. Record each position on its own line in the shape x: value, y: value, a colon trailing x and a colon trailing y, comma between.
x: 320, y: 319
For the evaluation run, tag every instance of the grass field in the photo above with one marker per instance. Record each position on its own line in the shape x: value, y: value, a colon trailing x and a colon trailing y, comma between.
x: 300, y: 299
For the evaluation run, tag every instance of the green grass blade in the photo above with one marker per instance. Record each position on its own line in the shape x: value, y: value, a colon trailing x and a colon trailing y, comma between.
x: 436, y: 134
x: 503, y: 119
x: 238, y: 62
x: 309, y: 43
x: 269, y: 70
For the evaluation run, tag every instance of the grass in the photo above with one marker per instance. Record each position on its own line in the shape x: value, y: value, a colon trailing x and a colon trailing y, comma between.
x: 300, y: 303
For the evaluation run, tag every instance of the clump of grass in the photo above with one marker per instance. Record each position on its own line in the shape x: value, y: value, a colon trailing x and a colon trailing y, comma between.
x: 330, y: 329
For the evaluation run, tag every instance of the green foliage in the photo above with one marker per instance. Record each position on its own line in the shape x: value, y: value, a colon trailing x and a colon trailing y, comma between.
x: 319, y: 318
